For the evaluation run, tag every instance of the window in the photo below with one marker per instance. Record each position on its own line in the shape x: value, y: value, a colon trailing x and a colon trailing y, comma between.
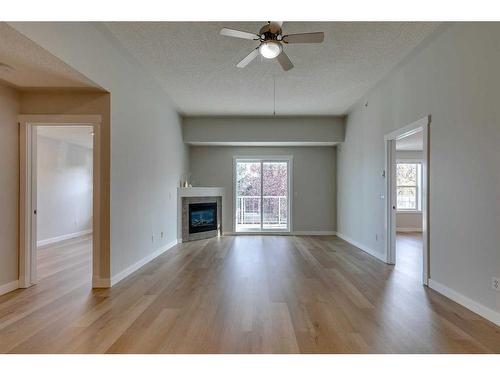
x: 262, y: 192
x: 408, y: 180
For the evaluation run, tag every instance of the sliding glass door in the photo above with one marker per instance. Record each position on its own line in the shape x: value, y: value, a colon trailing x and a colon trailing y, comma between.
x: 275, y: 195
x: 262, y: 194
x: 248, y: 196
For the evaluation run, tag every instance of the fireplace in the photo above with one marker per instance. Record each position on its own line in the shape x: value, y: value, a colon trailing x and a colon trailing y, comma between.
x: 202, y: 217
x: 200, y: 213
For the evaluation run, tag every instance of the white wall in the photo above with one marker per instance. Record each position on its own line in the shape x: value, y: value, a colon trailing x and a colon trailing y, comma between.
x: 9, y: 187
x: 148, y: 156
x: 456, y: 79
x: 409, y: 221
x: 314, y: 181
x: 64, y: 189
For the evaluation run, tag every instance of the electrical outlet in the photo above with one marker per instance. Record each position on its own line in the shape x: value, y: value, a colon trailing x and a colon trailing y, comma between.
x: 495, y: 283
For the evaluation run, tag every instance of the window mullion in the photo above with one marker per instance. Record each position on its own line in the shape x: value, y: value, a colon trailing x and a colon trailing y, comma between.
x: 261, y: 195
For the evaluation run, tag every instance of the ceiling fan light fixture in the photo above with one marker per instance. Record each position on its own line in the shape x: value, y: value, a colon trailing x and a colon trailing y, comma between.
x: 270, y: 50
x: 271, y: 38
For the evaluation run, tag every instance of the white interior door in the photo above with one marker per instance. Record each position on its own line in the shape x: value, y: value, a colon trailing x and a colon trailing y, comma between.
x: 392, y: 200
x: 33, y: 224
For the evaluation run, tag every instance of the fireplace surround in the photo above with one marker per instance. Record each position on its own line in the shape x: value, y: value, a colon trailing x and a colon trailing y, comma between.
x: 199, y: 213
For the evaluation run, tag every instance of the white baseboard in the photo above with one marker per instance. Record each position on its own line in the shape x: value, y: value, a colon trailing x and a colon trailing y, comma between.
x: 366, y: 249
x: 9, y: 287
x: 257, y: 234
x: 314, y: 233
x: 134, y: 267
x: 408, y: 229
x: 52, y: 240
x: 485, y: 312
x: 293, y: 233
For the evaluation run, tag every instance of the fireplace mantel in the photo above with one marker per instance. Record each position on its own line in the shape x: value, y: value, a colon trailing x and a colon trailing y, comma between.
x: 200, y: 192
x: 196, y: 192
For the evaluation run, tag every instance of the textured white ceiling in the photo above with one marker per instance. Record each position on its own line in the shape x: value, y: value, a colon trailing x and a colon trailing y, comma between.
x: 196, y: 65
x: 414, y: 142
x: 79, y: 135
x: 34, y: 66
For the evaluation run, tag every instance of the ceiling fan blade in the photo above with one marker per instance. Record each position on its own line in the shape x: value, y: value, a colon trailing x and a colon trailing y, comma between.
x: 304, y: 38
x: 284, y: 61
x: 252, y: 55
x: 238, y: 34
x: 275, y: 26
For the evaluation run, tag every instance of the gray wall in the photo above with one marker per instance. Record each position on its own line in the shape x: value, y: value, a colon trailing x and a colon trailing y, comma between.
x: 408, y: 155
x: 314, y: 181
x: 456, y: 79
x: 64, y: 188
x: 148, y: 156
x: 263, y: 129
x: 9, y: 184
x: 409, y: 221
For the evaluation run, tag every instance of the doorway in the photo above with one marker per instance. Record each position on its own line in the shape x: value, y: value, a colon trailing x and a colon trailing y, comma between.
x: 262, y: 194
x: 407, y: 208
x: 59, y: 198
x: 63, y: 167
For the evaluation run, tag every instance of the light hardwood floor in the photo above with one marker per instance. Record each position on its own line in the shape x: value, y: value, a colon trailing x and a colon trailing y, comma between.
x: 245, y: 294
x: 409, y: 254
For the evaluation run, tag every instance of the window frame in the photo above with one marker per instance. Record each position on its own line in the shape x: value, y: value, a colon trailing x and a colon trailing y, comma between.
x: 262, y: 159
x: 418, y: 186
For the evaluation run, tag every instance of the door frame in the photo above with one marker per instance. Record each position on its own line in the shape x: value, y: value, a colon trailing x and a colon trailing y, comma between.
x: 423, y: 125
x: 28, y: 188
x: 263, y: 159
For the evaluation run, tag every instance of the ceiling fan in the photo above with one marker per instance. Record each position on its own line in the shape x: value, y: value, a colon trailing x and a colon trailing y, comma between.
x: 271, y: 40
